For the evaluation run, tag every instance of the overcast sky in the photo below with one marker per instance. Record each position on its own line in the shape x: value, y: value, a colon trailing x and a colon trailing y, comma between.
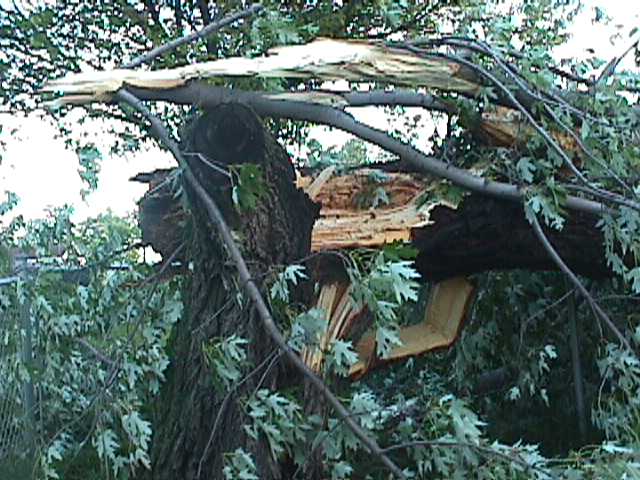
x: 43, y: 173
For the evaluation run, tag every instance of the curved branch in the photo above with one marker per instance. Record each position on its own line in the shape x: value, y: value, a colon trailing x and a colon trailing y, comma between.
x: 208, y: 30
x: 400, y: 97
x: 216, y: 217
x: 209, y: 96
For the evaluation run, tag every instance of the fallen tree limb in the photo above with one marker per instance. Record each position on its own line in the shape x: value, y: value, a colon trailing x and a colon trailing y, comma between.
x: 481, y: 234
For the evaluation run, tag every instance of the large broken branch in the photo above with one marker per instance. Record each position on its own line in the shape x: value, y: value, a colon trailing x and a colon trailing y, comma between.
x: 324, y: 58
x: 480, y: 234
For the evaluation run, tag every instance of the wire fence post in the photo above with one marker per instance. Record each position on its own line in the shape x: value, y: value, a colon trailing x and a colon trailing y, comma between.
x: 21, y: 269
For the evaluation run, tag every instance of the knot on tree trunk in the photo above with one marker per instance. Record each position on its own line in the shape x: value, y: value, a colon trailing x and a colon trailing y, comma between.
x: 276, y: 225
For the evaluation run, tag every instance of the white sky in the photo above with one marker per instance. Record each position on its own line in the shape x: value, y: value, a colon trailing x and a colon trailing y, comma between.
x: 43, y: 173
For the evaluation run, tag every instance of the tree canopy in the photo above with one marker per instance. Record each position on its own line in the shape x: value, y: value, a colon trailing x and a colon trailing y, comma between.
x: 495, y: 336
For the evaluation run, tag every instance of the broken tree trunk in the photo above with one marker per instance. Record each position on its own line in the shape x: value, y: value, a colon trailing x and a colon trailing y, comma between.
x: 481, y: 234
x: 202, y: 422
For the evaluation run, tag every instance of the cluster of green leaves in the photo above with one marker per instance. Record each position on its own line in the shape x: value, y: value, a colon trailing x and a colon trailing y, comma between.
x: 227, y: 357
x: 99, y: 336
x: 248, y: 186
x: 383, y: 286
x: 352, y: 154
x: 617, y: 409
x: 440, y: 431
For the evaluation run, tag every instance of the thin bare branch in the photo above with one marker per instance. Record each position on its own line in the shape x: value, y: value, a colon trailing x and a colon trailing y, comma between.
x: 546, y: 99
x: 509, y: 52
x: 597, y: 310
x: 216, y: 217
x: 578, y: 380
x: 206, y: 31
x: 399, y: 97
x: 96, y: 353
x: 613, y: 64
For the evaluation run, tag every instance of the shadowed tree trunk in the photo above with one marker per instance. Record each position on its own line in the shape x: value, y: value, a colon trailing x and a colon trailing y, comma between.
x: 487, y: 234
x: 199, y: 424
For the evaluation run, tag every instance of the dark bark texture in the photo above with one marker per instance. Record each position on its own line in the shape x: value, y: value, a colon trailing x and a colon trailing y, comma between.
x: 199, y: 424
x: 488, y: 234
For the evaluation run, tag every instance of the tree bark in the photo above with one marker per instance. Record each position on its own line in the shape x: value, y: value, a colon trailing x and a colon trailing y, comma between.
x: 488, y: 234
x: 199, y: 423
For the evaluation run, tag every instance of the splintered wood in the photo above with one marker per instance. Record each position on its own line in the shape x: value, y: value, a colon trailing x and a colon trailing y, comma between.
x: 348, y: 218
x: 324, y: 58
x: 504, y: 127
x: 335, y: 300
x: 447, y: 308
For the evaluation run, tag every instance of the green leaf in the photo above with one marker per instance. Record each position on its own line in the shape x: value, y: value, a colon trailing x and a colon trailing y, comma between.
x: 89, y: 158
x: 249, y: 186
x: 308, y: 328
x: 342, y: 357
x: 526, y: 169
x: 341, y: 470
x: 106, y: 444
x: 634, y: 277
x: 291, y: 274
x: 386, y: 338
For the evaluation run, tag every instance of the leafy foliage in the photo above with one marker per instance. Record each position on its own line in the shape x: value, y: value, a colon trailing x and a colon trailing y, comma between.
x: 103, y: 328
x: 93, y: 340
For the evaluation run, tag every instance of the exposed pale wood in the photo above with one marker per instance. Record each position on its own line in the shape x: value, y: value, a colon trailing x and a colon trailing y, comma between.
x: 448, y: 306
x: 347, y: 218
x: 324, y: 58
x: 446, y: 310
x: 335, y: 299
x: 313, y: 190
x: 503, y: 127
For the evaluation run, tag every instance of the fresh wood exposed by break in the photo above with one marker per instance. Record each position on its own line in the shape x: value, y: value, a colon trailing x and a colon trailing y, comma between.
x: 447, y: 308
x: 324, y: 58
x: 335, y: 299
x: 504, y: 127
x: 348, y: 218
